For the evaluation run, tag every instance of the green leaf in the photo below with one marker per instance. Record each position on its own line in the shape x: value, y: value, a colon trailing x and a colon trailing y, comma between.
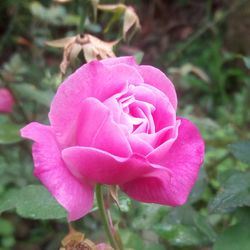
x: 182, y: 221
x: 155, y: 246
x: 181, y: 215
x: 8, y: 242
x: 15, y: 65
x: 6, y: 228
x: 37, y: 203
x: 131, y: 240
x: 235, y: 237
x: 53, y: 15
x: 180, y: 235
x: 205, y: 227
x: 8, y: 201
x: 9, y: 133
x: 139, y: 56
x: 199, y: 187
x: 30, y: 92
x: 34, y: 202
x: 235, y: 192
x: 246, y: 60
x: 124, y: 203
x: 149, y: 215
x: 241, y: 150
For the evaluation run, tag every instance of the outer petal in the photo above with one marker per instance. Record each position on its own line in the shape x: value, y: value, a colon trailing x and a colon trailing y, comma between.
x: 159, y: 80
x: 150, y: 74
x: 6, y: 101
x: 97, y: 129
x: 101, y: 167
x: 91, y: 80
x: 75, y: 196
x: 183, y: 162
x: 129, y: 60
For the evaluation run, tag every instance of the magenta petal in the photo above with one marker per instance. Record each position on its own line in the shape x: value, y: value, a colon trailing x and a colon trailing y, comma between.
x: 155, y: 106
x: 97, y: 129
x: 139, y: 145
x: 164, y: 114
x: 151, y: 188
x: 91, y: 80
x: 159, y: 80
x: 6, y: 100
x: 103, y: 246
x: 183, y: 161
x: 162, y: 143
x: 118, y: 115
x: 156, y: 139
x: 75, y: 196
x: 101, y: 167
x: 129, y: 60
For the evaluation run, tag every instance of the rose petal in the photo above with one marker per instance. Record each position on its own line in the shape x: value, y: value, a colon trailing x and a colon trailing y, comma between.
x: 156, y: 139
x: 183, y: 162
x: 159, y: 80
x: 104, y: 168
x: 164, y: 114
x: 145, y: 94
x: 97, y: 129
x: 150, y: 74
x: 6, y: 101
x: 144, y: 111
x: 129, y: 60
x: 118, y: 115
x: 151, y: 188
x: 75, y: 196
x: 162, y: 143
x: 91, y: 80
x: 139, y: 146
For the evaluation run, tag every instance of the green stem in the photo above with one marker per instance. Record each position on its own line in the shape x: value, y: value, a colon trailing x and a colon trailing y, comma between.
x: 104, y: 216
x: 83, y: 12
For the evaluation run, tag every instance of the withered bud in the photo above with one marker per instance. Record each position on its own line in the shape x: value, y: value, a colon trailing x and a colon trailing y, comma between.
x: 92, y: 47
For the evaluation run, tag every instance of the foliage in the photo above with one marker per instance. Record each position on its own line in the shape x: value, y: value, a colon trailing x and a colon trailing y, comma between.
x: 32, y: 201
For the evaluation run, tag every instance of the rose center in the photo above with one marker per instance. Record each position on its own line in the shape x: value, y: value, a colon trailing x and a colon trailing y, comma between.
x: 138, y: 113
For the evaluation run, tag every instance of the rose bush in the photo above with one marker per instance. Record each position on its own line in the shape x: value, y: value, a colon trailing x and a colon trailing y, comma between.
x: 6, y: 101
x: 114, y: 122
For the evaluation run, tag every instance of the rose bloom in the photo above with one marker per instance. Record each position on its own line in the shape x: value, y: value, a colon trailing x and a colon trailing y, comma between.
x: 6, y: 101
x: 114, y: 122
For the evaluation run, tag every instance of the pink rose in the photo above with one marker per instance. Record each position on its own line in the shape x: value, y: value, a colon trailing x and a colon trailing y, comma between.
x: 6, y: 101
x: 114, y: 122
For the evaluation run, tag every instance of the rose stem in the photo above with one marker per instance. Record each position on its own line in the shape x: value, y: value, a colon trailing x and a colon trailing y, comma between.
x: 104, y: 216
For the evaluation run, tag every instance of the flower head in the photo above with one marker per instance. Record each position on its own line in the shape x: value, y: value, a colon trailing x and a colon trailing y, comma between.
x: 114, y: 122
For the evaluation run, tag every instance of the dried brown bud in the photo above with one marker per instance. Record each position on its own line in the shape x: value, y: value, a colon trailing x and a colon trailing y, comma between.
x: 113, y: 190
x: 76, y: 241
x: 131, y: 20
x: 92, y: 47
